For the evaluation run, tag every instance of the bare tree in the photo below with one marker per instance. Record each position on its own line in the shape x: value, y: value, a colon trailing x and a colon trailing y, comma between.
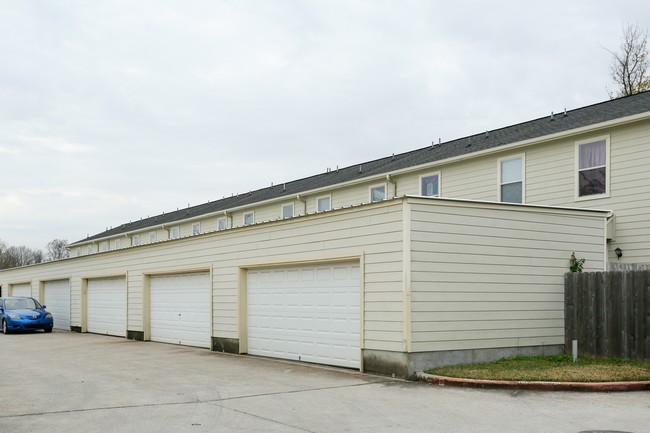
x: 14, y: 257
x: 629, y: 69
x: 57, y: 249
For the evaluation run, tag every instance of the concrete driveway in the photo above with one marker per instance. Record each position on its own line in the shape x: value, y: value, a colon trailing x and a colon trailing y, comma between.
x: 67, y: 382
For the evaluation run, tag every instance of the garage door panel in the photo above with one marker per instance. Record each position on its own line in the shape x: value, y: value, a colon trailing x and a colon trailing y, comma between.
x: 56, y: 296
x: 21, y: 290
x: 180, y: 309
x: 106, y: 306
x: 307, y: 313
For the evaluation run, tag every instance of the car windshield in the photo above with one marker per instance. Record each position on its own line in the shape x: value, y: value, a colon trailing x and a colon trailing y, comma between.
x: 20, y: 304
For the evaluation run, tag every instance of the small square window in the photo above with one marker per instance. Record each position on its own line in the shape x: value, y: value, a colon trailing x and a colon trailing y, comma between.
x: 430, y: 185
x: 90, y: 249
x: 104, y: 246
x: 176, y: 232
x: 378, y: 193
x: 249, y: 218
x: 78, y: 251
x: 324, y: 203
x: 136, y: 240
x: 196, y: 228
x: 222, y: 223
x: 118, y: 244
x: 287, y: 210
x: 153, y: 237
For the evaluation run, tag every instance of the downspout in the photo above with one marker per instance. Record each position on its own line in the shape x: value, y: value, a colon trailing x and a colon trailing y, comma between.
x: 390, y: 180
x: 304, y: 204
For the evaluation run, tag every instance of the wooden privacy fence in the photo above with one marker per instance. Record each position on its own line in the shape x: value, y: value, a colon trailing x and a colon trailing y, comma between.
x: 608, y: 313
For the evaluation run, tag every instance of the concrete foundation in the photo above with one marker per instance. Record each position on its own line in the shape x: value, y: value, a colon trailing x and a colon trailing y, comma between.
x: 405, y: 365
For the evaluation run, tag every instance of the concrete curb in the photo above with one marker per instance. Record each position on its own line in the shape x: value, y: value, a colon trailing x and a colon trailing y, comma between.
x: 535, y: 386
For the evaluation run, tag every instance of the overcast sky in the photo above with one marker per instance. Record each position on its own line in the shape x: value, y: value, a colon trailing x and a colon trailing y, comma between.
x: 115, y: 110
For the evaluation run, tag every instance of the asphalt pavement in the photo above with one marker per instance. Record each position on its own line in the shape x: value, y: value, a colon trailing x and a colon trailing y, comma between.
x: 69, y: 382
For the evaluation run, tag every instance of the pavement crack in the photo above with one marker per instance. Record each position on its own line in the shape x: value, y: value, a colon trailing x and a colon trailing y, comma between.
x: 216, y: 400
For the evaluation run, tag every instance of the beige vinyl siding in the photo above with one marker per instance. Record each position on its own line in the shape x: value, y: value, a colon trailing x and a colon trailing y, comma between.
x: 487, y: 276
x: 371, y: 233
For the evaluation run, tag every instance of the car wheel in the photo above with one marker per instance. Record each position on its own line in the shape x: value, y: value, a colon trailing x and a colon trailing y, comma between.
x: 4, y: 327
x: 47, y: 330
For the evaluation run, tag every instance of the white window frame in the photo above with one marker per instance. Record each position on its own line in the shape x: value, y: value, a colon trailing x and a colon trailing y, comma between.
x: 329, y: 203
x: 104, y: 246
x: 521, y: 156
x: 578, y: 197
x: 196, y: 229
x: 118, y: 244
x: 379, y: 185
x: 135, y: 240
x: 286, y: 206
x: 78, y: 251
x: 437, y: 194
x: 223, y: 220
x: 153, y: 237
x: 90, y: 249
x: 252, y: 217
x: 175, y: 232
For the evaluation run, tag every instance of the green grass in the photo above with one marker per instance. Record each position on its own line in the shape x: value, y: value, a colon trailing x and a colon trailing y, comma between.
x: 558, y: 368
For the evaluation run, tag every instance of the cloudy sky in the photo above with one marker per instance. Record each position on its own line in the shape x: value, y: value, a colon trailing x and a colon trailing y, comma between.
x: 115, y: 110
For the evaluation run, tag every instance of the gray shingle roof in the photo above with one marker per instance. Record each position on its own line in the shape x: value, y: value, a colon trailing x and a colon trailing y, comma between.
x: 561, y: 122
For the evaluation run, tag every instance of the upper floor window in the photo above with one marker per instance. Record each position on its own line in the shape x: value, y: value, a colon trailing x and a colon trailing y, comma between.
x: 78, y: 251
x: 377, y: 193
x: 323, y: 203
x: 196, y: 228
x: 287, y: 210
x: 90, y: 249
x: 118, y: 244
x: 430, y: 185
x: 511, y: 179
x: 136, y: 240
x: 152, y: 237
x: 176, y: 232
x: 249, y: 218
x: 222, y: 223
x: 593, y: 167
x: 104, y: 246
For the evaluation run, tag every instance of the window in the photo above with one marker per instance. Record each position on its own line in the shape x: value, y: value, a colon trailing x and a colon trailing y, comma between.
x: 118, y: 244
x: 152, y: 237
x: 176, y: 232
x: 222, y: 223
x: 323, y: 203
x: 511, y: 180
x: 249, y: 218
x: 104, y: 246
x: 430, y: 185
x: 377, y: 193
x: 287, y: 210
x: 90, y: 249
x: 593, y: 157
x: 196, y: 228
x: 78, y: 251
x: 136, y: 240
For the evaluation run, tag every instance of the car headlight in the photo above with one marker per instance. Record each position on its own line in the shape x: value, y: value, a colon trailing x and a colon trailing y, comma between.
x: 15, y: 316
x: 48, y: 316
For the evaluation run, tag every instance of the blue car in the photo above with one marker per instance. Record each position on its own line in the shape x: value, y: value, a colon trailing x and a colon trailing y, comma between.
x: 20, y: 313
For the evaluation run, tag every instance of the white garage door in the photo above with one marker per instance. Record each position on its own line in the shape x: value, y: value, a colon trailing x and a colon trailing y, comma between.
x: 107, y: 306
x: 56, y: 296
x: 306, y: 313
x: 180, y: 309
x: 21, y: 290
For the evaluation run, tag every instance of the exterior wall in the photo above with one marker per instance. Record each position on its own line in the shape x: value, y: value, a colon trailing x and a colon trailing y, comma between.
x: 372, y: 234
x: 492, y: 276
